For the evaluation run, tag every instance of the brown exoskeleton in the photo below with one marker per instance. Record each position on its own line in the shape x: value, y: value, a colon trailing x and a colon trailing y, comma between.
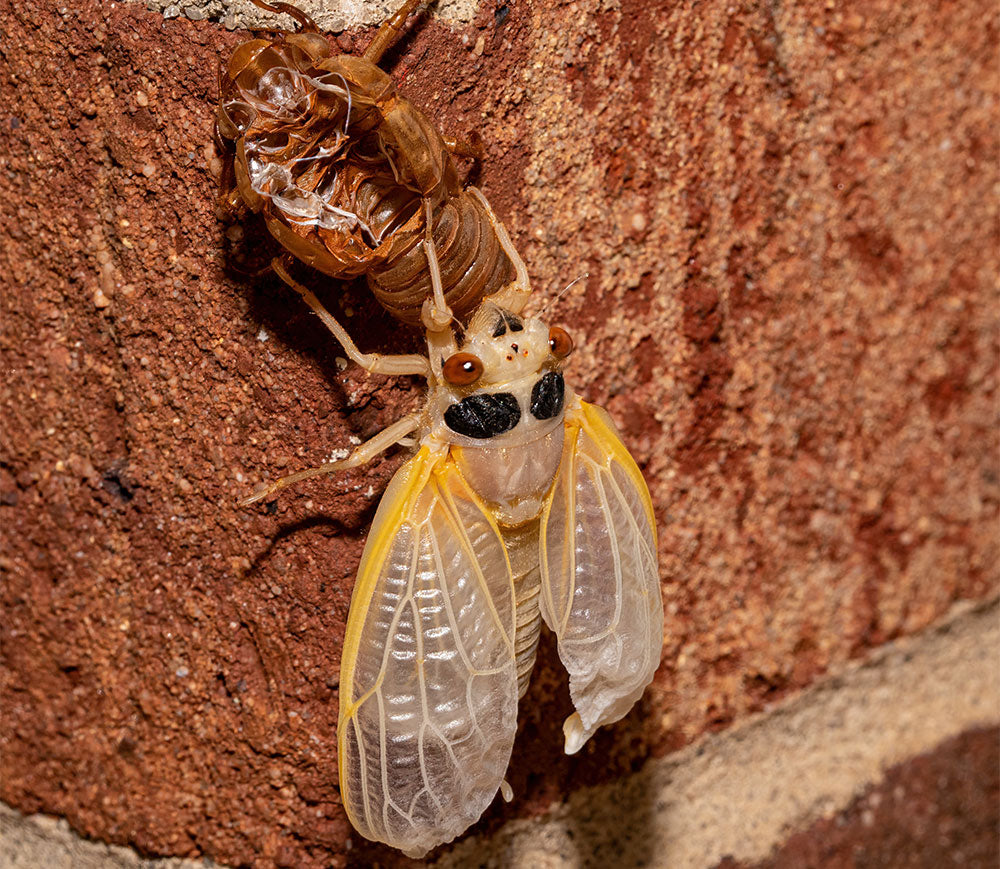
x: 348, y: 174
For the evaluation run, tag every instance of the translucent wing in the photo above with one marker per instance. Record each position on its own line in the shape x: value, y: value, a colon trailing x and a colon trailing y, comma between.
x: 428, y: 705
x: 600, y: 579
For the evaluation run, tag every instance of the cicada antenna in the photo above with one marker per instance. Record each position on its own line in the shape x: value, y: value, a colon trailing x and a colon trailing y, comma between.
x: 390, y: 31
x: 562, y: 293
x: 279, y: 8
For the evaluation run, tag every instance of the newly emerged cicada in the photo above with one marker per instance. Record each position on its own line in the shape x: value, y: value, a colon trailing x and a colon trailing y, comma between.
x: 521, y: 505
x: 348, y: 173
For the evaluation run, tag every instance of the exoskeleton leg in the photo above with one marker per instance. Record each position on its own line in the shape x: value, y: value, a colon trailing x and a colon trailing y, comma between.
x: 231, y: 203
x: 471, y: 148
x: 360, y: 456
x: 374, y: 363
x: 304, y: 20
x: 515, y: 295
x: 389, y: 32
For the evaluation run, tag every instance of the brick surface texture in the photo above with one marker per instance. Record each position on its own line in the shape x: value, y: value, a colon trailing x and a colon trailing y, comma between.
x: 787, y: 216
x: 938, y: 810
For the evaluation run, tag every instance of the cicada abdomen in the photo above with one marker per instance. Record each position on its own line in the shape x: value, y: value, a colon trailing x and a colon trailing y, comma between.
x: 346, y: 173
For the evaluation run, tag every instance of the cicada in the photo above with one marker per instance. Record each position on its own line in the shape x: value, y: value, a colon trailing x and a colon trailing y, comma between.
x: 521, y: 505
x: 348, y: 173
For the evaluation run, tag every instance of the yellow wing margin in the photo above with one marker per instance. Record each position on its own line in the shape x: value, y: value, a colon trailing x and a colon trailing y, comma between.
x: 600, y: 586
x: 395, y: 506
x: 428, y: 706
x: 599, y: 426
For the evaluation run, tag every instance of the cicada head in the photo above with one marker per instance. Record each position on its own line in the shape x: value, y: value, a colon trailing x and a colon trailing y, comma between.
x: 508, y: 346
x: 499, y: 404
x: 501, y: 349
x: 506, y: 375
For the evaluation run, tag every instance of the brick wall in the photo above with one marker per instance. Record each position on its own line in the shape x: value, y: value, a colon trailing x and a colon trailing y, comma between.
x: 787, y: 218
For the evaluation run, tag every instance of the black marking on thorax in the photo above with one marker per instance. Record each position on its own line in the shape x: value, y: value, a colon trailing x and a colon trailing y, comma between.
x: 507, y: 321
x: 547, y: 396
x: 483, y: 415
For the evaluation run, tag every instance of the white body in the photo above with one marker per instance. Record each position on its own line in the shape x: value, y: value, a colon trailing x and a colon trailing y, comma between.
x: 476, y: 540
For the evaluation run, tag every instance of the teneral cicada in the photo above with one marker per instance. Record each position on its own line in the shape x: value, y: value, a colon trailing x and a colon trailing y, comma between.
x: 348, y: 173
x: 521, y: 505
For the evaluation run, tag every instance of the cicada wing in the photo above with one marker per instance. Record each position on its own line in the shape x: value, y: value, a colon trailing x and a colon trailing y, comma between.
x: 600, y: 579
x: 428, y: 706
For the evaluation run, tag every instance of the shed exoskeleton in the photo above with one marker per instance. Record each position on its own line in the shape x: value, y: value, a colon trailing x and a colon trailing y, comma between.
x: 521, y: 505
x: 348, y: 174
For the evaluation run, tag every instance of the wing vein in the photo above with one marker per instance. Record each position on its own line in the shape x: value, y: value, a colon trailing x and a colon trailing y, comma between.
x: 569, y: 538
x: 643, y: 558
x: 449, y: 610
x: 391, y: 633
x: 386, y: 799
x: 363, y: 767
x: 422, y: 683
x: 642, y: 544
x: 640, y: 537
x: 454, y: 521
x: 614, y: 540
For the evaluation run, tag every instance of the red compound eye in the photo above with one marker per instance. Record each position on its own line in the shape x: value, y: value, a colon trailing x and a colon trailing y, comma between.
x: 560, y: 343
x: 462, y: 369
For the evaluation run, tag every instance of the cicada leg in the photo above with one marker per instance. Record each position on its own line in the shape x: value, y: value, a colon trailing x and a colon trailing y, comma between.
x: 305, y: 22
x: 470, y: 148
x: 436, y: 313
x: 373, y: 363
x: 389, y: 32
x: 363, y: 454
x: 515, y: 295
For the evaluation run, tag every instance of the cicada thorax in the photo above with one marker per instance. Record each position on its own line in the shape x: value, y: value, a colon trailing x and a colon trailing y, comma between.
x: 344, y: 171
x: 501, y: 409
x: 513, y: 474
